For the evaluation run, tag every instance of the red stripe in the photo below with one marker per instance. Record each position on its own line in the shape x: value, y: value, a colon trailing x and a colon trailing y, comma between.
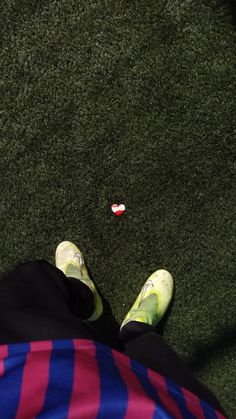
x: 193, y: 403
x: 139, y: 404
x: 35, y: 380
x: 219, y: 415
x: 85, y: 397
x: 3, y: 354
x: 159, y: 382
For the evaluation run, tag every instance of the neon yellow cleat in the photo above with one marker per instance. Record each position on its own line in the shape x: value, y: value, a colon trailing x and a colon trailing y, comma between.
x: 153, y: 300
x: 70, y: 260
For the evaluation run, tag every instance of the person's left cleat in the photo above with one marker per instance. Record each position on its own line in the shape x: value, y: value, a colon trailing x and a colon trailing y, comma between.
x: 70, y: 260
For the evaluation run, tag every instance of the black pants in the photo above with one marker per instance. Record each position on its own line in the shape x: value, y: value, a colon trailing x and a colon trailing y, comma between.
x: 38, y: 302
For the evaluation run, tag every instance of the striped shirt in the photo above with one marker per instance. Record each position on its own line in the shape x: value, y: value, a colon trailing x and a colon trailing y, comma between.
x: 80, y: 378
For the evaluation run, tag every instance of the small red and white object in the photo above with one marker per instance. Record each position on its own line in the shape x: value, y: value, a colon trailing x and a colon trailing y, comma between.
x: 118, y: 209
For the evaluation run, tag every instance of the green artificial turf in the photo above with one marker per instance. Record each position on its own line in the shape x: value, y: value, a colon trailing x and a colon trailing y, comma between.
x: 128, y: 102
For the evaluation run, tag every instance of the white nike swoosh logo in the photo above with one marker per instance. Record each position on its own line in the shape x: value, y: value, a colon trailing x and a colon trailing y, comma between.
x: 78, y: 255
x: 148, y: 284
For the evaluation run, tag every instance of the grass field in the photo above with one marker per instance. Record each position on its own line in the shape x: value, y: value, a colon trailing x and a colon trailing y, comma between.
x: 132, y: 102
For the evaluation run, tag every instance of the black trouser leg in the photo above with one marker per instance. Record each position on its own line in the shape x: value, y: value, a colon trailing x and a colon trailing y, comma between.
x: 38, y: 302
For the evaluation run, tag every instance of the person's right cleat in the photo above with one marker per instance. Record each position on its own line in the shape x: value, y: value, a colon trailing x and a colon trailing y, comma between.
x: 153, y: 300
x: 70, y: 260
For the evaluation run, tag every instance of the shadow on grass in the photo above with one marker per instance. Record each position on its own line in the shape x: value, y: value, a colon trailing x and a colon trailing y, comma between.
x: 204, y: 352
x: 232, y: 4
x: 230, y: 12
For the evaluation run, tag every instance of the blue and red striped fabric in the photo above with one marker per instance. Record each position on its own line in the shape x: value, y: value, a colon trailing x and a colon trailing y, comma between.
x: 79, y: 378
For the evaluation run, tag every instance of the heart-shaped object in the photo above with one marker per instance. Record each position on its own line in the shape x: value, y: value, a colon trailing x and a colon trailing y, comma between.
x: 118, y: 209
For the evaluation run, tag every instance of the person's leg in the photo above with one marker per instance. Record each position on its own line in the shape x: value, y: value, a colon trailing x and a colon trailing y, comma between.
x: 38, y: 302
x: 143, y: 344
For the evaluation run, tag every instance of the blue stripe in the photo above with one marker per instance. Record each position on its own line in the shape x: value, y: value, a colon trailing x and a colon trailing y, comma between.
x: 173, y: 390
x: 113, y: 391
x: 63, y: 344
x: 10, y: 382
x: 141, y: 373
x: 18, y: 348
x: 208, y: 410
x: 60, y: 384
